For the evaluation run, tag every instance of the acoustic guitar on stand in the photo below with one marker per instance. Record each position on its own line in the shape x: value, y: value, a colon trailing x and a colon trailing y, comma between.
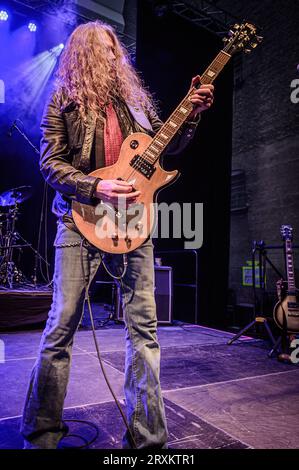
x: 123, y: 229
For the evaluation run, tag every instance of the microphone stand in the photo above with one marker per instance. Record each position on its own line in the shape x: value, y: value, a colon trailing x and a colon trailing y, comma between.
x: 15, y: 126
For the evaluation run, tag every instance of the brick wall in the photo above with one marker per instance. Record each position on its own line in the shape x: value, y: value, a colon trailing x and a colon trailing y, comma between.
x: 265, y: 135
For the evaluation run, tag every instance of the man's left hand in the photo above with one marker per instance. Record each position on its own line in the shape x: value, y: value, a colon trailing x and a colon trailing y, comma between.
x: 202, y: 97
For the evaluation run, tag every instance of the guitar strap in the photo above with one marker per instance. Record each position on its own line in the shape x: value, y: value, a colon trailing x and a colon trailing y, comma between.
x: 140, y: 117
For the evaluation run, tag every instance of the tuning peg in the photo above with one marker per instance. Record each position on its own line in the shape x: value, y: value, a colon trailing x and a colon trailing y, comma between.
x: 247, y: 51
x: 259, y: 38
x: 236, y: 26
x: 224, y: 39
x: 231, y: 33
x: 253, y: 44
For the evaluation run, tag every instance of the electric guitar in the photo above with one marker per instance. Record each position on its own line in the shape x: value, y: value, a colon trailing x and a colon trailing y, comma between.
x: 286, y: 311
x: 123, y: 229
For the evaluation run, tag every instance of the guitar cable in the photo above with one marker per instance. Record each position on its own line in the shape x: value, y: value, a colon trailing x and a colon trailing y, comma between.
x: 87, y: 300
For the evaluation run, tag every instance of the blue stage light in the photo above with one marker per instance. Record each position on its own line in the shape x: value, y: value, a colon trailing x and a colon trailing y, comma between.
x: 3, y: 15
x: 56, y: 51
x: 32, y: 27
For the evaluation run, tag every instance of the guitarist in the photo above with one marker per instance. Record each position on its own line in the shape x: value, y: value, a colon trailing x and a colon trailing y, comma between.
x: 93, y: 108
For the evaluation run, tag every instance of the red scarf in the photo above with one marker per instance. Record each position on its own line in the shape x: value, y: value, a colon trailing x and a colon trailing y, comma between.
x: 112, y: 136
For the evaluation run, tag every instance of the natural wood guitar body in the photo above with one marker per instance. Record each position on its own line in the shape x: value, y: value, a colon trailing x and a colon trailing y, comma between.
x: 288, y: 308
x: 119, y: 230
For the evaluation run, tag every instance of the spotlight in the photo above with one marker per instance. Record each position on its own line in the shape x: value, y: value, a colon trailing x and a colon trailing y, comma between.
x: 56, y: 51
x: 3, y: 15
x: 32, y: 27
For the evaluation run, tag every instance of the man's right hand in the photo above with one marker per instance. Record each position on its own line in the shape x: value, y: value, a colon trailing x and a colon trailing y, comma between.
x: 116, y: 191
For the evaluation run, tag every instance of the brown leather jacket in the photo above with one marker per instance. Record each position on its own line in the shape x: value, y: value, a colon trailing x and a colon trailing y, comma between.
x: 67, y: 146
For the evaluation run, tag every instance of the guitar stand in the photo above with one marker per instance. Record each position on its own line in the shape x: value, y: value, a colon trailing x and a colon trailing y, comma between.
x: 276, y: 347
x: 261, y: 318
x: 257, y: 320
x: 284, y: 353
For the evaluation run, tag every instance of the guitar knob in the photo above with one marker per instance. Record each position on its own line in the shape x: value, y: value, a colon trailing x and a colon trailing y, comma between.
x: 128, y: 240
x: 138, y: 226
x: 134, y: 144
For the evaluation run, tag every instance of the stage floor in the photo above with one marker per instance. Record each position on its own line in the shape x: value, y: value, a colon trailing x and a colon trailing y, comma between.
x: 216, y: 396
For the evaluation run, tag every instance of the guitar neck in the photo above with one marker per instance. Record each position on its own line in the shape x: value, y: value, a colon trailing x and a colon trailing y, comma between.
x: 290, y: 267
x: 170, y: 128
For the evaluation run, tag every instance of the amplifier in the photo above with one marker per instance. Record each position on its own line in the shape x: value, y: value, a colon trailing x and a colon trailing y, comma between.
x: 163, y: 295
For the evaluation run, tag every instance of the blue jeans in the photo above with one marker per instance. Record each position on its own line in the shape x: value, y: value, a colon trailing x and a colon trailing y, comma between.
x: 42, y: 425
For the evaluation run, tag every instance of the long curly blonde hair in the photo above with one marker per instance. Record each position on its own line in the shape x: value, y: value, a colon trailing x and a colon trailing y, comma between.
x: 91, y: 76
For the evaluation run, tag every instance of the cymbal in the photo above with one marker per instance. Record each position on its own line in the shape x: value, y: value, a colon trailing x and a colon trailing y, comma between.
x: 15, y: 196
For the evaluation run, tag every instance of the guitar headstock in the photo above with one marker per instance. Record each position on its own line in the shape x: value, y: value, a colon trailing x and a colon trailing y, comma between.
x: 242, y: 37
x: 286, y: 232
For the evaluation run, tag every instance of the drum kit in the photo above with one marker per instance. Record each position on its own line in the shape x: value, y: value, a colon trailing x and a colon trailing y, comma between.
x: 10, y: 240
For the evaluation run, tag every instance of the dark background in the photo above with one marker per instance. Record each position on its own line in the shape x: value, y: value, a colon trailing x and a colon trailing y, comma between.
x: 168, y: 59
x: 252, y: 128
x: 170, y: 52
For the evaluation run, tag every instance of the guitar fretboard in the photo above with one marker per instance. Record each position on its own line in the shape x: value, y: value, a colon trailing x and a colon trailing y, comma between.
x: 181, y: 113
x: 290, y: 267
x: 215, y: 68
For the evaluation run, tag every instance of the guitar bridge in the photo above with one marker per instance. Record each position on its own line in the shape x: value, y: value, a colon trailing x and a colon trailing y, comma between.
x: 142, y: 165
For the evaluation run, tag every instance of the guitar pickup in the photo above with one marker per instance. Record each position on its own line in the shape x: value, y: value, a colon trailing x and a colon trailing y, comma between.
x: 142, y: 165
